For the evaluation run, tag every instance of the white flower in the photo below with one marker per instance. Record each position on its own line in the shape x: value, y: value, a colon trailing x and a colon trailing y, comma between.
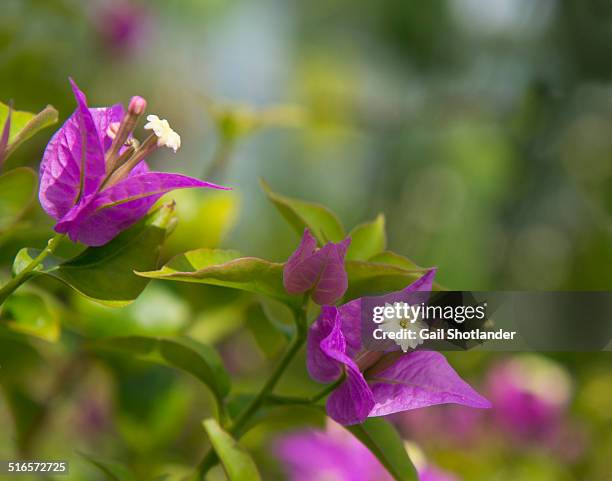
x: 405, y: 325
x: 165, y: 135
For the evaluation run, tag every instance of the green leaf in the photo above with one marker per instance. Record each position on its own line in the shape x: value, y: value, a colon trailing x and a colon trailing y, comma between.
x: 33, y: 314
x: 391, y: 258
x: 379, y: 436
x: 158, y: 311
x: 106, y: 274
x: 371, y: 278
x: 25, y: 124
x: 267, y: 336
x: 237, y: 463
x: 322, y: 222
x: 17, y: 189
x: 225, y: 268
x: 199, y: 360
x: 152, y: 406
x: 112, y: 470
x: 220, y: 209
x: 367, y: 240
x: 23, y: 408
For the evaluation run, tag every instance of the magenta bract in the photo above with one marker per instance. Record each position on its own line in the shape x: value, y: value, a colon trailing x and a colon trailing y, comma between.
x: 335, y: 454
x: 531, y: 396
x: 310, y: 455
x: 73, y: 171
x: 413, y: 380
x: 318, y: 271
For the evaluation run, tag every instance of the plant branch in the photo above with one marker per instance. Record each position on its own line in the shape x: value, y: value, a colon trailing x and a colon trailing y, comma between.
x: 12, y: 285
x: 295, y: 400
x: 220, y: 160
x: 237, y: 427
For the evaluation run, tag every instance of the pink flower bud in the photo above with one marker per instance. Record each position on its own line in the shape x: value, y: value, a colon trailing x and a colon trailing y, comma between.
x: 137, y: 105
x: 320, y: 271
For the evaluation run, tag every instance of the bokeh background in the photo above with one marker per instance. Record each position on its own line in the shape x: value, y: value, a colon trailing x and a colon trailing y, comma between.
x: 480, y: 128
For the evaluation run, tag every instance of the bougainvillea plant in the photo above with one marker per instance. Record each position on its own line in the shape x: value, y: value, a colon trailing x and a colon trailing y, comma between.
x: 95, y: 184
x: 93, y: 176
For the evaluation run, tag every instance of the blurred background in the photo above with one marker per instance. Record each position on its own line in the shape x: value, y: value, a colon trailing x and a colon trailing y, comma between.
x: 480, y: 128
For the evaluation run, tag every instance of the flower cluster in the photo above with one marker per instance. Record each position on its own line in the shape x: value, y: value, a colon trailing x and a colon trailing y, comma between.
x: 93, y: 176
x: 376, y: 383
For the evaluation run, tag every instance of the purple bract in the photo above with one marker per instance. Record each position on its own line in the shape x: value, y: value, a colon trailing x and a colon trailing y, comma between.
x: 93, y: 178
x: 377, y: 384
x: 318, y: 271
x: 335, y: 454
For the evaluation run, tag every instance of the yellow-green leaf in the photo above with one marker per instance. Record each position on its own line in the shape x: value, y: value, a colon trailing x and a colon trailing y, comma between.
x: 367, y: 240
x: 237, y: 463
x: 32, y: 314
x: 321, y: 221
x: 379, y: 436
x: 197, y: 359
x: 17, y: 189
x: 106, y: 274
x: 25, y: 124
x: 225, y: 268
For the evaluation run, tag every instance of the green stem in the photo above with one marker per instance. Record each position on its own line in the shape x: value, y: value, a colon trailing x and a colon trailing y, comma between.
x: 220, y: 160
x: 12, y: 285
x: 314, y: 399
x: 237, y: 427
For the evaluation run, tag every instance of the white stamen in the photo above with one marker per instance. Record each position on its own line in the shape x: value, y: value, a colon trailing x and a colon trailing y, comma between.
x: 403, y: 325
x: 165, y: 135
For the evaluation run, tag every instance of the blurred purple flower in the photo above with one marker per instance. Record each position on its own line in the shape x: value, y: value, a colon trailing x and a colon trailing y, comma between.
x: 379, y: 383
x: 93, y: 417
x: 530, y: 395
x: 337, y: 455
x: 320, y: 271
x: 93, y: 178
x: 122, y: 26
x: 432, y: 473
x: 319, y: 455
x: 448, y: 423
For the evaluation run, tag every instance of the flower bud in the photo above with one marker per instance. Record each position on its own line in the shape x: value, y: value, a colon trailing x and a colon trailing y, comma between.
x: 136, y: 108
x: 137, y: 105
x: 318, y: 271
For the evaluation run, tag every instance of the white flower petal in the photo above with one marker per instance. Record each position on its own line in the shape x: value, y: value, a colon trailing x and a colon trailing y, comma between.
x: 166, y: 137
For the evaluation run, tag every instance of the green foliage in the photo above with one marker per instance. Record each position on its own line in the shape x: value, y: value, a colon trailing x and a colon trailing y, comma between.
x: 156, y: 312
x: 382, y: 440
x: 236, y: 462
x: 225, y: 268
x: 111, y: 470
x: 106, y: 274
x: 235, y: 121
x: 367, y: 277
x: 367, y: 240
x: 220, y: 209
x: 391, y: 258
x: 25, y: 411
x: 17, y: 190
x: 32, y: 313
x: 270, y: 339
x: 199, y: 360
x: 25, y: 124
x: 321, y: 221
